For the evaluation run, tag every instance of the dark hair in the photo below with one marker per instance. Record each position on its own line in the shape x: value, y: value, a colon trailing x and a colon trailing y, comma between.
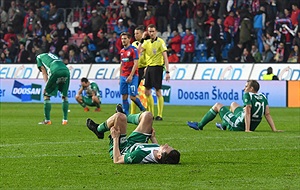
x: 140, y: 27
x: 151, y: 26
x: 269, y: 70
x: 172, y: 158
x: 83, y: 79
x: 126, y: 34
x: 254, y: 84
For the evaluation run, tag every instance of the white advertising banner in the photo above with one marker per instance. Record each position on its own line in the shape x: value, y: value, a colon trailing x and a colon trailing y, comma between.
x: 18, y: 71
x: 175, y: 92
x: 77, y: 71
x: 223, y: 71
x: 104, y: 71
x: 285, y: 71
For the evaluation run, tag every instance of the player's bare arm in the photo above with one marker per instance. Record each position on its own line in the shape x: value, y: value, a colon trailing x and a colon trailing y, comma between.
x: 153, y: 137
x: 167, y: 65
x: 115, y: 134
x: 270, y: 120
x: 247, y: 118
x: 45, y: 74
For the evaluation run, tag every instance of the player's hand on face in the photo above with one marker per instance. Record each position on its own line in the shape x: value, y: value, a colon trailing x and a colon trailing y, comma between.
x: 153, y: 133
x: 145, y: 34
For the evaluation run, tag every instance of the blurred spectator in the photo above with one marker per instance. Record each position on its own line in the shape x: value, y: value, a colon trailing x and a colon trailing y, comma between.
x: 102, y: 43
x: 12, y: 49
x: 149, y: 18
x: 43, y: 13
x: 200, y: 26
x: 269, y: 39
x: 247, y: 57
x: 16, y: 19
x: 4, y: 58
x: 97, y: 23
x: 30, y: 21
x: 295, y: 14
x: 55, y: 14
x: 183, y: 13
x: 131, y: 27
x: 256, y: 54
x: 174, y: 13
x: 189, y: 50
x: 140, y: 15
x: 87, y: 9
x: 84, y: 24
x: 229, y: 28
x: 199, y: 6
x: 296, y: 40
x: 3, y: 16
x: 161, y: 14
x: 23, y: 55
x: 119, y: 28
x: 112, y: 20
x: 10, y: 33
x: 279, y: 55
x: 124, y: 17
x: 214, y: 5
x: 115, y: 6
x: 234, y: 54
x: 172, y: 56
x: 112, y: 51
x: 245, y: 29
x: 86, y: 56
x: 63, y: 33
x: 3, y: 30
x: 268, y: 54
x: 259, y: 26
x: 294, y: 56
x: 56, y: 44
x: 175, y: 42
x: 45, y: 44
x: 74, y: 57
x: 216, y: 40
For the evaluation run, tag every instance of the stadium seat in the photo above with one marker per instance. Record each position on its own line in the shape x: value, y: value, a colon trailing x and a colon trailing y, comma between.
x: 203, y: 59
x: 201, y: 47
x: 212, y: 59
x: 99, y: 59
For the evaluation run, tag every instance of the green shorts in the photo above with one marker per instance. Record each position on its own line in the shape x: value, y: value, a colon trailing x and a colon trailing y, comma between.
x: 125, y: 143
x: 59, y: 80
x: 88, y: 100
x: 232, y: 121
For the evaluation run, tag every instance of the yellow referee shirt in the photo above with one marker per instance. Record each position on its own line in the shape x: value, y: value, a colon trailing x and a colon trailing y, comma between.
x: 142, y: 57
x: 154, y: 50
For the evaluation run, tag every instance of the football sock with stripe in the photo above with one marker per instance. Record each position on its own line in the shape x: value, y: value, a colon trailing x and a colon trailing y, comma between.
x: 160, y: 105
x: 209, y: 116
x: 133, y: 118
x: 65, y: 108
x: 47, y: 109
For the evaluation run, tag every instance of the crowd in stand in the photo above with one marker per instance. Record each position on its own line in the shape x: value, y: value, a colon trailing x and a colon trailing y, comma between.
x: 194, y: 30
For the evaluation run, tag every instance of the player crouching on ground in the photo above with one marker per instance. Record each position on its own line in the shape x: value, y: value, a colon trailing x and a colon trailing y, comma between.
x: 91, y: 96
x: 135, y: 148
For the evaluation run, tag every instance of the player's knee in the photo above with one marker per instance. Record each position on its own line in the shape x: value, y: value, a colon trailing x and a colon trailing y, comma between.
x: 217, y: 106
x: 64, y: 98
x: 121, y: 117
x: 148, y: 116
x: 78, y: 97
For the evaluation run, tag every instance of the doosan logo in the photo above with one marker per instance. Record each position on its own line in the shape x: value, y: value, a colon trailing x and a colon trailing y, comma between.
x: 27, y: 92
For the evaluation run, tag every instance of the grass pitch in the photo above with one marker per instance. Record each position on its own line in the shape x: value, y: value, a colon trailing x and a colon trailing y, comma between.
x: 35, y: 156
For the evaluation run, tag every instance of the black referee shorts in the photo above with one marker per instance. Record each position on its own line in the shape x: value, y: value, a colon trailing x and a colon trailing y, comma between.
x: 153, y: 77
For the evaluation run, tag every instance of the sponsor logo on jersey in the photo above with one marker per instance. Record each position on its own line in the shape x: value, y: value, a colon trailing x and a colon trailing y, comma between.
x: 27, y: 92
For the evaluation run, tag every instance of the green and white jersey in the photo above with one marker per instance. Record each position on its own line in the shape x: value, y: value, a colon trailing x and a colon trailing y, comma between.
x: 258, y: 104
x: 140, y: 153
x: 92, y: 87
x: 51, y: 62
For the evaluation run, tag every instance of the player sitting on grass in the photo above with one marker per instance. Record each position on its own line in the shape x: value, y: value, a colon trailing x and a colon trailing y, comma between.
x: 237, y: 118
x: 91, y: 97
x: 134, y: 148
